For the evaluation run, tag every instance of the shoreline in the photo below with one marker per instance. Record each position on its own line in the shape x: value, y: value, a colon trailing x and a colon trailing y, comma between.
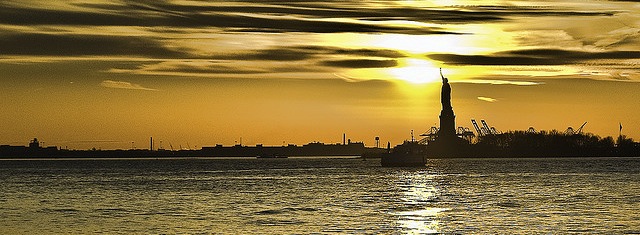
x: 284, y: 159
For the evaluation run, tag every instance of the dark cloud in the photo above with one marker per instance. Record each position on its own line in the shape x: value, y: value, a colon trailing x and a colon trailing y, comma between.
x: 493, y: 60
x: 454, y: 14
x: 31, y: 16
x: 255, y: 16
x: 79, y: 45
x: 360, y: 63
x: 534, y: 57
x: 279, y: 54
x: 213, y: 68
x: 507, y: 11
x: 174, y: 15
x: 96, y: 45
x: 354, y: 52
x: 297, y: 53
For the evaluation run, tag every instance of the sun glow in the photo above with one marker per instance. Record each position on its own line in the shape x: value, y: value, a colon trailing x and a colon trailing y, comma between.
x: 410, y: 70
x: 420, y: 44
x: 415, y: 71
x: 414, y: 66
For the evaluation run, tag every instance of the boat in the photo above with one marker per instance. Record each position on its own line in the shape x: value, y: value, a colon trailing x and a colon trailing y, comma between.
x: 270, y: 156
x: 408, y: 154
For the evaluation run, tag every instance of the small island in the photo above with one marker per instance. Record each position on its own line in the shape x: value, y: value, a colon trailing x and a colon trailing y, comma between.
x: 449, y: 142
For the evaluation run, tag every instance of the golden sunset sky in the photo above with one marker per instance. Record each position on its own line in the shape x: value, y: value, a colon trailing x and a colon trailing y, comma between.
x: 104, y: 74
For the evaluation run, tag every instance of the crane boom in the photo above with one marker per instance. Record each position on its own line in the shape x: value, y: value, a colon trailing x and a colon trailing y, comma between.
x: 486, y: 127
x: 579, y: 131
x: 475, y: 125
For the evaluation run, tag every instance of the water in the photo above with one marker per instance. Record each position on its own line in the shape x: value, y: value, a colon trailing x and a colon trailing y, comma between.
x: 322, y: 196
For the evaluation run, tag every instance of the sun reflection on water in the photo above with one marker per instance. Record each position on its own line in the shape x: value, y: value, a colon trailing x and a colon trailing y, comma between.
x: 419, y: 196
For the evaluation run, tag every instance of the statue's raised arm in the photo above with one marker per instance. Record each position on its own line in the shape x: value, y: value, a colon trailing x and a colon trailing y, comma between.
x: 444, y: 80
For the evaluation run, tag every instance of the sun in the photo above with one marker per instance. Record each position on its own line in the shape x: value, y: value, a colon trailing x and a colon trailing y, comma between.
x: 417, y: 71
x: 411, y: 71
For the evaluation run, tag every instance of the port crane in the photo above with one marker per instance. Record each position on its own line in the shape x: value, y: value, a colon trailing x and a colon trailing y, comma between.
x: 490, y: 131
x: 429, y: 135
x: 465, y: 133
x: 485, y: 129
x: 478, y: 130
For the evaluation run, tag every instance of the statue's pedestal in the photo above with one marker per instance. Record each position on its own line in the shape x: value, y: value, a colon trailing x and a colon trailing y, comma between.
x: 447, y: 144
x: 447, y: 123
x: 448, y: 147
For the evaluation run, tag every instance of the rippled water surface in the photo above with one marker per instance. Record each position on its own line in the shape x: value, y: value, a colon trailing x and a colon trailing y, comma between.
x: 302, y: 196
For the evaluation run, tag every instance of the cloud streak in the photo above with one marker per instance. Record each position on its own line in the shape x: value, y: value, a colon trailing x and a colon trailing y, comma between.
x: 83, y: 45
x: 534, y: 57
x: 124, y: 85
x: 360, y: 63
x: 487, y: 99
x: 498, y: 82
x: 297, y: 59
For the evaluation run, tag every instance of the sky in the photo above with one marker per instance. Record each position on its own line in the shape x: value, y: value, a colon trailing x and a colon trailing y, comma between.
x: 108, y: 74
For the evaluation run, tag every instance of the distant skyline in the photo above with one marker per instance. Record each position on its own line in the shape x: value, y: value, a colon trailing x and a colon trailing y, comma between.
x: 111, y: 74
